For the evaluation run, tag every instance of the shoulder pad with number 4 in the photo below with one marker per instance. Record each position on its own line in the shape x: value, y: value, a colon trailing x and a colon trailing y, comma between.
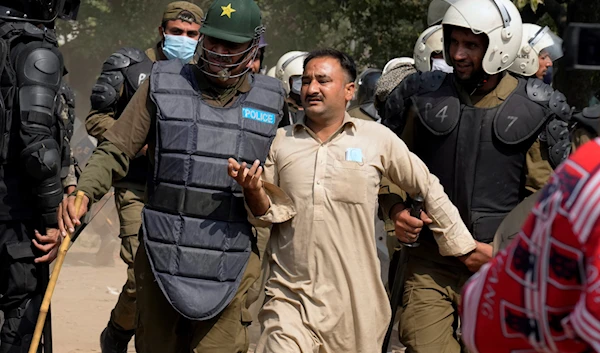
x: 417, y: 83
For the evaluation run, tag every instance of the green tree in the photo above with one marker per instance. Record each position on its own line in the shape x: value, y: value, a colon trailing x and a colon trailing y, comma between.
x: 372, y: 31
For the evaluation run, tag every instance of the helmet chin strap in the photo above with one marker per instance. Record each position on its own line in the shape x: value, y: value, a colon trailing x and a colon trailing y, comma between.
x: 484, y: 79
x: 475, y: 82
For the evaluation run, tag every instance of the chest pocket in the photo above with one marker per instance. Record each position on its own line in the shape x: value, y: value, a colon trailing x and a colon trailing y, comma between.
x: 348, y: 182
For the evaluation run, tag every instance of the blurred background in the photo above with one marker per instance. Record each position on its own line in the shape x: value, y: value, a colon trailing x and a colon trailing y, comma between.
x: 372, y: 31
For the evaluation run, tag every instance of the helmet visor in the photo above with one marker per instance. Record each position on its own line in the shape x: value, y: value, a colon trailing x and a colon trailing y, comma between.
x: 545, y: 41
x: 462, y: 17
x: 437, y: 10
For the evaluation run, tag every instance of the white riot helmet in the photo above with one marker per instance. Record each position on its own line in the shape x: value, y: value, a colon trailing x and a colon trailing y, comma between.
x: 397, y: 61
x: 498, y: 19
x: 291, y: 66
x: 535, y: 40
x: 430, y: 41
x: 271, y: 72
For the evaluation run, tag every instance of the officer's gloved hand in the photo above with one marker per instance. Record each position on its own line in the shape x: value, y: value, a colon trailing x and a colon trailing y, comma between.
x: 392, y: 114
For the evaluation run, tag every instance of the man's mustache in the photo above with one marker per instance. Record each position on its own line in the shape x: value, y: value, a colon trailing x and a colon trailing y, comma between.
x: 314, y: 97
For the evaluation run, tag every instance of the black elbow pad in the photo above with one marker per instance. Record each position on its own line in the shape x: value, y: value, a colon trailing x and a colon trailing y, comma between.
x: 42, y: 159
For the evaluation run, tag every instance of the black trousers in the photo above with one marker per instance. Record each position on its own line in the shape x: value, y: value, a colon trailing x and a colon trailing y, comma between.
x: 22, y: 285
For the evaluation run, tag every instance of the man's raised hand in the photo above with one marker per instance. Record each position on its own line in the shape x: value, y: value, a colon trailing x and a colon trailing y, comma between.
x: 249, y: 179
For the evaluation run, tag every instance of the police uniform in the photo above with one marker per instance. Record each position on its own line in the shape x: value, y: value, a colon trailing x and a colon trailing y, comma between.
x: 122, y: 74
x: 31, y: 145
x: 512, y: 130
x: 198, y: 256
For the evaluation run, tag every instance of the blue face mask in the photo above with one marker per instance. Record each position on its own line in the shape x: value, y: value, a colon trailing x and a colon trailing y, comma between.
x: 179, y: 47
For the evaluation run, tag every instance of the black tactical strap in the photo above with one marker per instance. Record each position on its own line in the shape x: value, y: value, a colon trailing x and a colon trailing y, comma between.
x: 40, y: 118
x: 219, y: 206
x: 14, y: 30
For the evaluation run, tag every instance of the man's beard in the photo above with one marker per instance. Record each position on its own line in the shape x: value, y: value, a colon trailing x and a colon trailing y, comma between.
x: 476, y: 80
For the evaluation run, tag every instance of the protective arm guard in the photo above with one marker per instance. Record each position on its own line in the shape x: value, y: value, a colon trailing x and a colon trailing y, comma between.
x: 106, y: 91
x: 39, y: 72
x: 122, y: 74
x: 556, y: 134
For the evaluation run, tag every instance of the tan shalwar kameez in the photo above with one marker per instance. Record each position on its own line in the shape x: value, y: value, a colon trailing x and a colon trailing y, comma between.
x: 324, y: 293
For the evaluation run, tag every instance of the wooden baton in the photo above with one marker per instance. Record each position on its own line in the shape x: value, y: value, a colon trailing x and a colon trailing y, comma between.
x: 62, y: 253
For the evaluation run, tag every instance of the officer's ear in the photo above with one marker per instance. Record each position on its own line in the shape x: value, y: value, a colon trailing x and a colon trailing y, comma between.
x: 349, y: 89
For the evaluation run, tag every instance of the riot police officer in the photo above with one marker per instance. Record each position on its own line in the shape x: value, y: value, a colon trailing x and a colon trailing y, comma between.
x: 428, y: 51
x: 362, y: 106
x: 30, y: 160
x: 197, y: 256
x: 258, y: 62
x: 122, y: 74
x: 540, y: 48
x: 488, y: 136
x: 289, y: 71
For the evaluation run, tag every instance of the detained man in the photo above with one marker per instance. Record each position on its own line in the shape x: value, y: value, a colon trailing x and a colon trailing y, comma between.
x: 324, y: 292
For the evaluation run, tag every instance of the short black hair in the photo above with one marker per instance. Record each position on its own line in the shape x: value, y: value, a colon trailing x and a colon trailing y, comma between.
x: 345, y: 60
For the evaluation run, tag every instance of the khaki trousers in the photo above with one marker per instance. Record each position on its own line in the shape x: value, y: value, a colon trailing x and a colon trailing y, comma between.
x: 262, y: 239
x: 429, y: 319
x: 129, y: 204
